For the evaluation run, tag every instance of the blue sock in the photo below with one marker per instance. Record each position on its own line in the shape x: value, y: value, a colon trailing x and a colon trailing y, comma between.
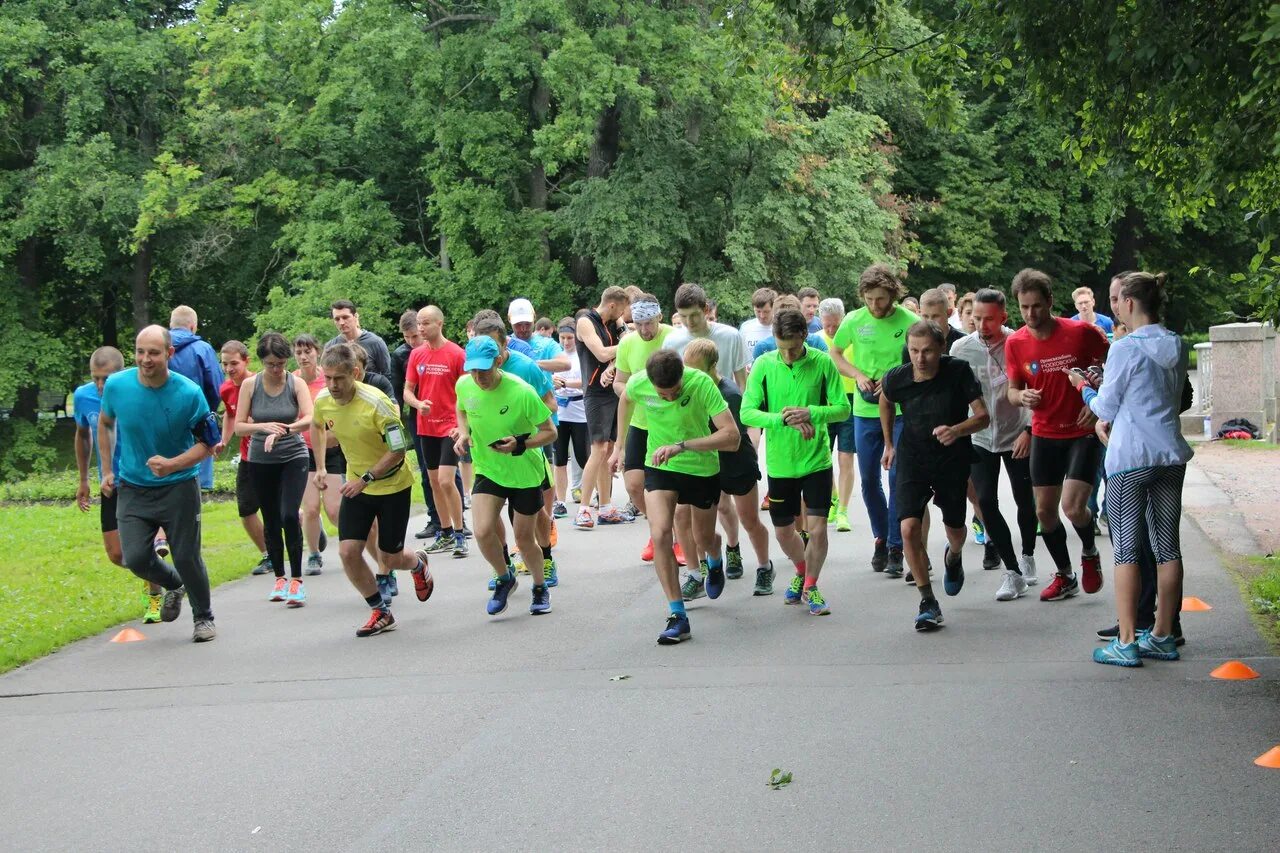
x: 715, y: 562
x: 677, y: 608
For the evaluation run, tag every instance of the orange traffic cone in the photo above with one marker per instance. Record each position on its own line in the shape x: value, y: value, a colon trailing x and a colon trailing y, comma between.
x: 1234, y: 670
x: 1270, y: 758
x: 129, y: 635
x: 1191, y: 604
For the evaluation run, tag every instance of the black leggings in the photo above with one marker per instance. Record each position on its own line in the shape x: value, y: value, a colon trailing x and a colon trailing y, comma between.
x: 578, y: 434
x: 985, y: 475
x: 280, y: 489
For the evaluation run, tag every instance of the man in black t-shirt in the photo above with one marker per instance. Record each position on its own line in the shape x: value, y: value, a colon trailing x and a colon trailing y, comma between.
x: 936, y: 393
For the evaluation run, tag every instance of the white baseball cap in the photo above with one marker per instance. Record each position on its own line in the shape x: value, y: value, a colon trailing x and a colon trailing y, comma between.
x: 520, y: 311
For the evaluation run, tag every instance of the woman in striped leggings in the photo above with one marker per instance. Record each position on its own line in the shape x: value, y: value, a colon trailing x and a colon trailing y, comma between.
x: 1146, y: 461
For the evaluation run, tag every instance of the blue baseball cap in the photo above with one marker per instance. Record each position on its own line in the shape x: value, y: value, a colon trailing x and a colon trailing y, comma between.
x: 482, y: 352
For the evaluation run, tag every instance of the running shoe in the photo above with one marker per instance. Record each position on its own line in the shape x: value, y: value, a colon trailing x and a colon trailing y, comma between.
x: 203, y: 631
x: 715, y: 580
x: 279, y: 591
x: 423, y: 583
x: 679, y: 552
x: 646, y: 553
x: 1091, y: 572
x: 764, y: 580
x: 442, y: 544
x: 595, y: 501
x: 506, y: 585
x: 559, y: 510
x: 584, y: 521
x: 831, y: 514
x: 466, y: 531
x: 171, y: 609
x: 804, y: 537
x: 1062, y: 586
x: 842, y: 521
x: 979, y: 532
x: 880, y: 556
x: 893, y: 568
x: 613, y: 515
x: 930, y: 616
x: 1111, y: 633
x: 263, y: 567
x: 162, y: 547
x: 1117, y: 653
x: 1102, y: 519
x: 577, y: 496
x: 910, y: 578
x: 952, y: 572
x: 693, y: 588
x: 431, y: 531
x: 154, y: 603
x: 990, y: 557
x: 817, y: 604
x: 392, y: 583
x: 517, y: 563
x: 1157, y: 648
x: 297, y: 594
x: 1027, y: 565
x: 795, y: 590
x: 460, y: 547
x: 1097, y: 531
x: 677, y: 630
x: 315, y: 564
x: 733, y: 563
x: 764, y: 503
x: 380, y: 621
x: 1014, y: 586
x: 632, y: 510
x: 384, y: 589
x: 324, y: 538
x: 550, y: 574
x: 555, y: 534
x: 466, y: 501
x: 493, y: 578
x: 541, y: 601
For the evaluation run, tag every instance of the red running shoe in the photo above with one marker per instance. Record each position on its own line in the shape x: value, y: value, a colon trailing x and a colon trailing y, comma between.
x: 1091, y: 572
x: 679, y: 552
x: 1059, y: 588
x: 423, y: 583
x: 646, y: 553
x: 379, y: 620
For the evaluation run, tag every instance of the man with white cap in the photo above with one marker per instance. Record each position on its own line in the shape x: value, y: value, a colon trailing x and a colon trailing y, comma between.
x: 547, y: 352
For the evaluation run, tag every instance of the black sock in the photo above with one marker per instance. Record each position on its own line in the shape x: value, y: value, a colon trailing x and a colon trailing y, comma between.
x: 546, y: 553
x: 375, y: 601
x: 506, y: 554
x: 1056, y: 541
x: 734, y: 548
x: 1086, y: 536
x: 926, y: 592
x: 446, y: 532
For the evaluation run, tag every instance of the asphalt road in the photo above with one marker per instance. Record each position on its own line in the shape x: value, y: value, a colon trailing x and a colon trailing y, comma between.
x: 461, y: 732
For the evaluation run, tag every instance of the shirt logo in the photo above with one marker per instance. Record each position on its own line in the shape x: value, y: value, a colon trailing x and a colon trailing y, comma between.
x: 898, y: 333
x: 1033, y: 367
x: 685, y: 401
x: 422, y: 368
x: 503, y: 410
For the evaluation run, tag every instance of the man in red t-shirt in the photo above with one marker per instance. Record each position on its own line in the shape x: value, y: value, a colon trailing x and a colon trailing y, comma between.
x: 430, y: 376
x: 1064, y: 450
x: 235, y: 366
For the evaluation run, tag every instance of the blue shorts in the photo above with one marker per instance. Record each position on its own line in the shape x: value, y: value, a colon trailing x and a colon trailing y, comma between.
x: 842, y: 434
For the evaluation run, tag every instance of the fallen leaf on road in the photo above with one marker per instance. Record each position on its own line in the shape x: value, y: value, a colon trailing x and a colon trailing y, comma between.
x: 779, y: 780
x: 619, y: 678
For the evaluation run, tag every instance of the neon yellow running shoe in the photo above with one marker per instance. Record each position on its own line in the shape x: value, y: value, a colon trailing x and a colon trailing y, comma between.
x: 153, y: 608
x: 831, y: 514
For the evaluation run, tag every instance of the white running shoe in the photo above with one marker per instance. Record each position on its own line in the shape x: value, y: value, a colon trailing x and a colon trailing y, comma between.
x: 1014, y: 586
x: 1027, y: 564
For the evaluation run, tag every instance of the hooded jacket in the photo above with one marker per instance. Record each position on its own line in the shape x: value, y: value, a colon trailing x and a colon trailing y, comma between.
x: 1141, y: 396
x: 196, y: 360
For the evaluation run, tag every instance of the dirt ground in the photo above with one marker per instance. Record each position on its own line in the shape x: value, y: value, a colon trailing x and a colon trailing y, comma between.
x: 1250, y: 476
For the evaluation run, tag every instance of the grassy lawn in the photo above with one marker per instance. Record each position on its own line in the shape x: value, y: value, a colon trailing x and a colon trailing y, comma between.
x: 1263, y: 591
x: 56, y: 575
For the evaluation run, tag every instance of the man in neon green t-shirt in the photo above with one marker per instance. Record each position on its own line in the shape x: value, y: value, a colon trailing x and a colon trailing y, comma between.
x: 681, y: 466
x: 875, y: 333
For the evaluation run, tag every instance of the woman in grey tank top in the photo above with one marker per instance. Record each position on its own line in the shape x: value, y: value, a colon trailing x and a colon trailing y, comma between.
x: 278, y: 410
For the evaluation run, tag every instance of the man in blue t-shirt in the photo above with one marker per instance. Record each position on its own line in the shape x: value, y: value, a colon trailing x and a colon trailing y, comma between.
x: 153, y: 415
x: 1084, y: 302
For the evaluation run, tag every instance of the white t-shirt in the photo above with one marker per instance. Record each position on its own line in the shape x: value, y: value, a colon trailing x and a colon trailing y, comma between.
x: 729, y: 343
x: 569, y: 403
x: 955, y: 322
x: 753, y: 332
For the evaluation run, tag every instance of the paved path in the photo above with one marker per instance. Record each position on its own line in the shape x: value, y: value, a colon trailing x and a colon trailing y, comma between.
x: 462, y: 732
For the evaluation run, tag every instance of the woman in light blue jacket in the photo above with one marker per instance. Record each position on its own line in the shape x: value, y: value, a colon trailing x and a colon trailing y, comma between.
x: 1146, y: 461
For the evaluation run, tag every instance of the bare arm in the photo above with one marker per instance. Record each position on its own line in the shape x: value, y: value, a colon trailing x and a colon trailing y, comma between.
x: 106, y: 450
x: 305, y: 405
x: 947, y: 435
x: 587, y: 337
x: 846, y: 368
x: 83, y: 437
x: 555, y: 365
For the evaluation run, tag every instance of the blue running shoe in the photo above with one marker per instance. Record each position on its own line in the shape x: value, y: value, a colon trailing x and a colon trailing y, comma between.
x: 1157, y: 648
x: 930, y: 616
x: 550, y: 574
x: 953, y: 573
x: 817, y: 604
x: 384, y: 589
x: 493, y: 579
x: 501, y: 592
x: 715, y: 580
x: 795, y: 592
x: 677, y: 630
x: 1117, y: 653
x: 979, y: 532
x: 393, y: 584
x: 541, y: 601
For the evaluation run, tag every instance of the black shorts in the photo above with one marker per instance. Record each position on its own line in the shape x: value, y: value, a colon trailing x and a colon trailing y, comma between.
x: 637, y: 447
x: 357, y: 515
x: 107, y: 512
x: 526, y: 501
x: 785, y: 494
x: 739, y: 472
x: 438, y: 451
x: 247, y: 501
x: 335, y: 462
x: 699, y: 492
x: 1054, y: 460
x: 945, y: 482
x: 602, y: 416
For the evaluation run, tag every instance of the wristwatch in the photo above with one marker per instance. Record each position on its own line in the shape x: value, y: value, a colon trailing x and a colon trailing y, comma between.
x: 681, y: 446
x: 368, y: 477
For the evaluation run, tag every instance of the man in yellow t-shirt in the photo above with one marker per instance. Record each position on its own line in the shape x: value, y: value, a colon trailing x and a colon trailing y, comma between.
x: 378, y: 487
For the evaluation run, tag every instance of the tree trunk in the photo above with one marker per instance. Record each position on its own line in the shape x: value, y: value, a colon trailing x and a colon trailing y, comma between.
x: 1127, y: 245
x: 604, y: 153
x: 445, y: 263
x: 540, y: 105
x: 26, y: 404
x: 141, y: 286
x: 108, y: 327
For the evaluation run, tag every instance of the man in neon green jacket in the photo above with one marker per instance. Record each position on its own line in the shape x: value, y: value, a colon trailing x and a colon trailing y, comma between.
x: 793, y: 393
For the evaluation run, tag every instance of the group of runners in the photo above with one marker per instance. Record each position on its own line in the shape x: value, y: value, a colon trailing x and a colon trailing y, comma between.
x: 942, y: 398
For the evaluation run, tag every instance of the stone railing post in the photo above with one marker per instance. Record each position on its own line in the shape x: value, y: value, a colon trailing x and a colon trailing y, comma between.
x: 1244, y: 370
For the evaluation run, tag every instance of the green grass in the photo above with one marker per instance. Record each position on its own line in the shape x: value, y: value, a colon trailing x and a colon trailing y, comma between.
x: 1263, y: 590
x: 61, y: 485
x: 57, y: 586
